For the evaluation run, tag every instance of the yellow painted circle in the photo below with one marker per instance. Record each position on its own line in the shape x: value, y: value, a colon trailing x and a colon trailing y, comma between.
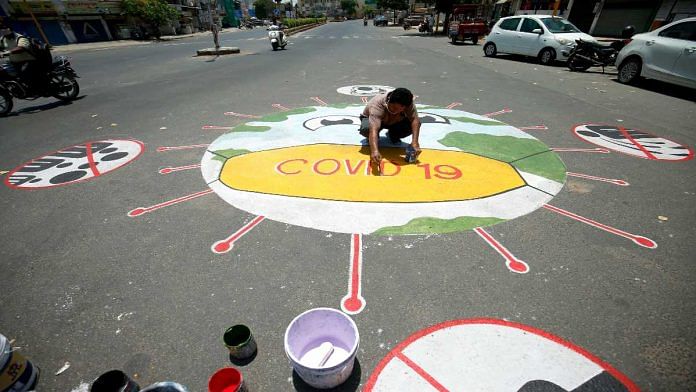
x: 344, y: 173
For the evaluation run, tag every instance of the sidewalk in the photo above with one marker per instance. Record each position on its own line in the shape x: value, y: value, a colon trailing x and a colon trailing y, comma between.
x: 127, y: 42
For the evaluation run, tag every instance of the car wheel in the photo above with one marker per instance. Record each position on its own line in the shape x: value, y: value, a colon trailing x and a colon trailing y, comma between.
x: 490, y: 50
x: 629, y: 70
x: 546, y: 56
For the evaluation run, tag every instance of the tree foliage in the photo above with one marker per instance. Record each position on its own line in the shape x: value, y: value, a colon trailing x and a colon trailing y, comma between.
x: 349, y: 6
x: 368, y: 10
x: 154, y: 12
x: 392, y: 4
x: 264, y: 8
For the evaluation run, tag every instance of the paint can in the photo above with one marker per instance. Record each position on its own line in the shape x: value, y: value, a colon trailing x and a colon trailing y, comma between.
x: 239, y: 341
x: 114, y: 381
x: 226, y: 380
x: 17, y: 374
x: 410, y: 154
x: 321, y: 344
x: 166, y: 386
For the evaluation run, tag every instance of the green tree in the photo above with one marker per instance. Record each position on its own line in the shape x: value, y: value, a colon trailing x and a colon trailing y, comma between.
x: 368, y: 10
x: 264, y: 8
x: 349, y: 6
x: 154, y: 12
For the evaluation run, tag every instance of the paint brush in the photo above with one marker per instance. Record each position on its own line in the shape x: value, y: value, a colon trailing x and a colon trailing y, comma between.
x: 329, y: 347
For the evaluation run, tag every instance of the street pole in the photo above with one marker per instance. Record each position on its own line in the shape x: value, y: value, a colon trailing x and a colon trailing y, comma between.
x: 36, y: 22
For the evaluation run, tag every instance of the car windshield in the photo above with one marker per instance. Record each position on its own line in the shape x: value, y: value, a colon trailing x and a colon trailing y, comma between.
x: 559, y: 25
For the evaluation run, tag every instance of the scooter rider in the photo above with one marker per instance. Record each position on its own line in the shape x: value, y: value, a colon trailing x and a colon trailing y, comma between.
x: 279, y: 25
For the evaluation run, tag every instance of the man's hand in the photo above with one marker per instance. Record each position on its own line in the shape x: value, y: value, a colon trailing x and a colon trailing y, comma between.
x: 376, y: 157
x: 417, y: 148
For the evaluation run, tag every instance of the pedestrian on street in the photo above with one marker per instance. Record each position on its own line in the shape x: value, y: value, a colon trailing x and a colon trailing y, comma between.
x: 216, y: 31
x: 394, y: 111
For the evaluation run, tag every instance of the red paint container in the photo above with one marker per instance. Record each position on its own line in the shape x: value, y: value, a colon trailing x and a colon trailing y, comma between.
x: 226, y: 380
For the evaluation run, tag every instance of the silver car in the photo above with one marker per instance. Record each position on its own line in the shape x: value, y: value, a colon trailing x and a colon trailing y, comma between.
x: 667, y: 54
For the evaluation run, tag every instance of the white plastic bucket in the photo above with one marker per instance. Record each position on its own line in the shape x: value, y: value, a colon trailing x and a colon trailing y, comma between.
x: 166, y: 386
x: 321, y: 344
x: 17, y: 374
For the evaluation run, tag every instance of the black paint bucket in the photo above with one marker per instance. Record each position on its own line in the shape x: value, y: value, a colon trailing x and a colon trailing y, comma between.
x: 239, y: 341
x: 114, y: 381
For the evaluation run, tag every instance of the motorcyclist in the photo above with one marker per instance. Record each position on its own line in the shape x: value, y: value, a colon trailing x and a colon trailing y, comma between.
x: 22, y: 63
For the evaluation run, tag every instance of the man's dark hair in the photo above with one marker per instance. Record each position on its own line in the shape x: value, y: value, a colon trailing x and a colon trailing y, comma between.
x: 401, y: 96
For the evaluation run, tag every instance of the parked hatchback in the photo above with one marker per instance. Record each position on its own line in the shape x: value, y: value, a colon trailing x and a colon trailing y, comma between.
x: 543, y: 36
x: 380, y: 20
x: 667, y: 54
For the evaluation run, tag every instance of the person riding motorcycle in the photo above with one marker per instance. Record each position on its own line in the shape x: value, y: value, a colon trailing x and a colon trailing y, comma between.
x: 23, y: 64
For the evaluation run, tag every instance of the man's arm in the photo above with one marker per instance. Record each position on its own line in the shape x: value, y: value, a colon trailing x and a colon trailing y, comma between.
x: 22, y: 46
x: 415, y: 131
x: 373, y: 139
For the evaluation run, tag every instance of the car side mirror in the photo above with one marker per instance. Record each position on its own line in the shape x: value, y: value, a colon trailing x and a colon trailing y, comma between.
x: 538, y: 31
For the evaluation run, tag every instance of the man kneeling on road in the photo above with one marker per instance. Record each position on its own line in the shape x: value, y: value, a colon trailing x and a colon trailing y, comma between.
x: 394, y: 111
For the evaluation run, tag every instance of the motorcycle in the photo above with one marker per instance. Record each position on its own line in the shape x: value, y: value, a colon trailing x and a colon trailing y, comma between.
x: 60, y: 82
x: 277, y: 37
x: 407, y: 26
x: 246, y: 25
x: 424, y: 27
x: 592, y: 54
x: 364, y: 22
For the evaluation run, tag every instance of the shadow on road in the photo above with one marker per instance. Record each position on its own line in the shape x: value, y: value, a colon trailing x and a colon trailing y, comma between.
x: 659, y: 87
x: 529, y: 60
x: 41, y: 108
x: 350, y: 385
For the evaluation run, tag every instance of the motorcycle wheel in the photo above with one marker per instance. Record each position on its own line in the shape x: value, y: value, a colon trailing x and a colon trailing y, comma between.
x: 5, y: 103
x: 474, y: 40
x: 275, y: 46
x: 576, y: 64
x: 72, y: 89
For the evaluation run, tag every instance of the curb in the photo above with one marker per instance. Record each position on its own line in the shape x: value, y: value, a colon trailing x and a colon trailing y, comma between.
x: 300, y: 29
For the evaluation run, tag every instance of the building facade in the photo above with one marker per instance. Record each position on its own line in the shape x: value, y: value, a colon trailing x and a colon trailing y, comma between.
x: 60, y: 22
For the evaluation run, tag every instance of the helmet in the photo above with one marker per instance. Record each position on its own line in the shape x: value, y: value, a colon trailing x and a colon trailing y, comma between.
x: 628, y: 31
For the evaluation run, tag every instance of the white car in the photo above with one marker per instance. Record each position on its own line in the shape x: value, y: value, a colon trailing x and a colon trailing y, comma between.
x: 667, y: 54
x: 543, y: 36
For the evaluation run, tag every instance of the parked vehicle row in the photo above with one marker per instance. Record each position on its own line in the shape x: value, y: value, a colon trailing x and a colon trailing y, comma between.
x: 667, y: 54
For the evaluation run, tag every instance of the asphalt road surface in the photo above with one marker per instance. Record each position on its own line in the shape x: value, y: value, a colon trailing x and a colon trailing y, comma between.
x: 83, y: 282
